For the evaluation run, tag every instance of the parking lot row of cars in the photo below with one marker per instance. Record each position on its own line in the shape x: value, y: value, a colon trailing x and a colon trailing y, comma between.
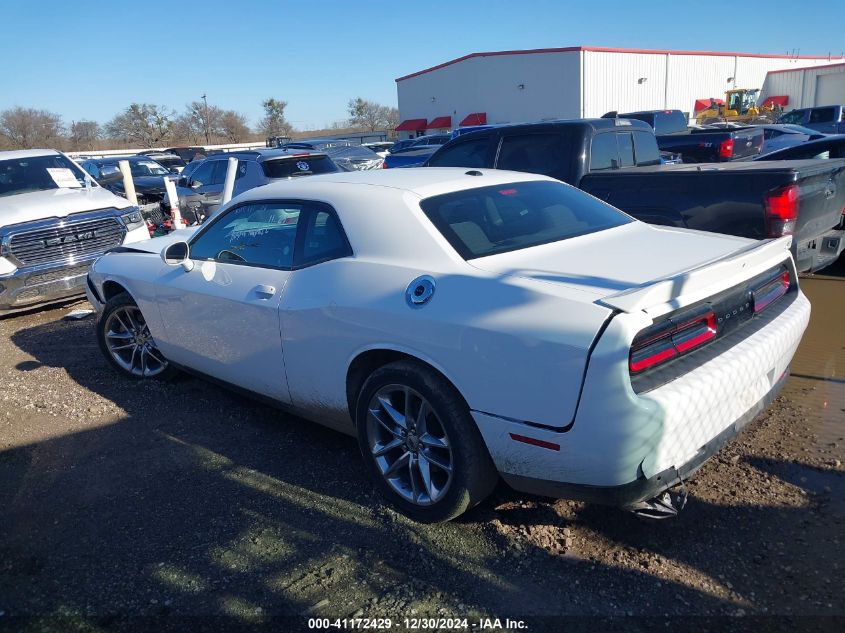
x: 490, y: 314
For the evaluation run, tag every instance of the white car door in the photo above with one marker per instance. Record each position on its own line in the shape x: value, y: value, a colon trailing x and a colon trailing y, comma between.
x: 222, y: 317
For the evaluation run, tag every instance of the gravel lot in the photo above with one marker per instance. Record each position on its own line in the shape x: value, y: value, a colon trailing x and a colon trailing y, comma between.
x: 124, y: 505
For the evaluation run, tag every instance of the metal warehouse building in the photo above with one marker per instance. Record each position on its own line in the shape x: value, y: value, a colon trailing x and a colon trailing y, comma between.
x: 808, y: 87
x: 581, y: 81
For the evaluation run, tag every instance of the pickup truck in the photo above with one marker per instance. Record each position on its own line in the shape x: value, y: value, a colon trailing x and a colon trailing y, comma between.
x: 826, y: 119
x: 55, y: 220
x: 698, y: 145
x: 617, y: 160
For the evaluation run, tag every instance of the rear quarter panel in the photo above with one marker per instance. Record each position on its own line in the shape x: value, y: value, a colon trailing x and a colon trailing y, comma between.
x: 509, y: 348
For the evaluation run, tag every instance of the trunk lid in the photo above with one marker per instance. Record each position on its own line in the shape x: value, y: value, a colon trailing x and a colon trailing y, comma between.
x: 638, y: 267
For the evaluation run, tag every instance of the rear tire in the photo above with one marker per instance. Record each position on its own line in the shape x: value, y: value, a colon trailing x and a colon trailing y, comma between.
x: 420, y: 444
x: 126, y: 342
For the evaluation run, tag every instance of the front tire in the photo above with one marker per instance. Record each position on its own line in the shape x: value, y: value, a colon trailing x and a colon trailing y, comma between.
x: 127, y: 343
x: 420, y: 443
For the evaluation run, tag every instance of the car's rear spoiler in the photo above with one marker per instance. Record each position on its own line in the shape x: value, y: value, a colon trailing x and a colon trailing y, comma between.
x: 662, y: 295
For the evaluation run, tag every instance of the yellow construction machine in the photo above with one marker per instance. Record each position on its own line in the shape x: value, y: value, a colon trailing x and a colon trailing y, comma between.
x: 740, y: 106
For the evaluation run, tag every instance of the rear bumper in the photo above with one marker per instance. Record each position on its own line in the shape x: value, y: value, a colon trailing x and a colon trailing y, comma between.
x: 624, y: 446
x: 644, y: 488
x: 820, y: 252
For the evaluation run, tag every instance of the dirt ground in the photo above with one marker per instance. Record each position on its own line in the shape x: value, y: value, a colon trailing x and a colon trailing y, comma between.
x: 131, y: 505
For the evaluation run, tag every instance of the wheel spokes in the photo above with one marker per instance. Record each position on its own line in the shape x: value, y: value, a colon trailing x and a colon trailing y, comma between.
x: 383, y: 449
x: 409, y: 444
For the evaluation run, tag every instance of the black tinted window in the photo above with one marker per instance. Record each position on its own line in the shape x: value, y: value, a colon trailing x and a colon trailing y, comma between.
x: 821, y: 115
x: 604, y: 153
x: 258, y: 234
x: 490, y: 220
x: 302, y: 166
x: 546, y: 154
x: 203, y: 172
x: 645, y: 148
x: 471, y: 153
x: 219, y: 174
x: 625, y: 143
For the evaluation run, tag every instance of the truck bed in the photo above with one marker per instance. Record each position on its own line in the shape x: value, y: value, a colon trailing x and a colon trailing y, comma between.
x: 726, y: 198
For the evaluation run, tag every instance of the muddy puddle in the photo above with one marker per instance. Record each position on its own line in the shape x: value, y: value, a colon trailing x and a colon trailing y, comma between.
x: 817, y: 383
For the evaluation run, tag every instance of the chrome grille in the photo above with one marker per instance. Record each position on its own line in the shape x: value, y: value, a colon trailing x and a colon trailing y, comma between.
x: 66, y: 242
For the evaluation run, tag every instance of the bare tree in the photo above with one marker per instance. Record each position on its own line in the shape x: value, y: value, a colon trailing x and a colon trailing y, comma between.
x: 205, y: 119
x: 274, y: 122
x: 185, y: 130
x: 370, y: 115
x: 390, y: 116
x: 83, y: 134
x: 142, y: 123
x: 233, y: 126
x: 27, y: 127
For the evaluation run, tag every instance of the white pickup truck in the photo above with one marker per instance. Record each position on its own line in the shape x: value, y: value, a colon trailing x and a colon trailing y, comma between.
x: 54, y: 222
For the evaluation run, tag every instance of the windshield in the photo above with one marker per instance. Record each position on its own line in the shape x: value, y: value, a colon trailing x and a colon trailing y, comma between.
x: 39, y: 173
x: 147, y: 168
x: 490, y: 220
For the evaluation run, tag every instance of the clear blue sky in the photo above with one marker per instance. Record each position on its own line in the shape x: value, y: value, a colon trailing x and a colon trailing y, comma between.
x: 69, y: 57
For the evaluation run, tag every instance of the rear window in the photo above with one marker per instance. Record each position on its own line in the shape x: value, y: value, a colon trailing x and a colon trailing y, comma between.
x: 668, y: 122
x: 490, y: 220
x: 821, y: 115
x: 470, y: 153
x: 645, y: 148
x: 301, y: 166
x: 547, y: 154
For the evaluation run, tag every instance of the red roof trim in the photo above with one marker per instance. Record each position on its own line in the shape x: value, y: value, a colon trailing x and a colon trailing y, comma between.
x: 411, y: 125
x: 780, y: 100
x: 789, y: 70
x: 602, y: 49
x: 440, y: 123
x: 476, y: 118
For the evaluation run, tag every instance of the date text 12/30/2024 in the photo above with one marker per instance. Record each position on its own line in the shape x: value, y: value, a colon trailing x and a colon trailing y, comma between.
x: 418, y: 624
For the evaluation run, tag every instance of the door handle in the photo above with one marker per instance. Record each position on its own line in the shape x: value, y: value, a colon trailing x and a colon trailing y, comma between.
x: 264, y: 290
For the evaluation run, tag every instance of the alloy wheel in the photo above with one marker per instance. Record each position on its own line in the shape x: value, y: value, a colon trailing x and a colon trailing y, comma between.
x: 130, y: 343
x: 409, y: 444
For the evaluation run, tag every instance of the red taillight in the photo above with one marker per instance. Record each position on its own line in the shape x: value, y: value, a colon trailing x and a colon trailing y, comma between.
x: 782, y: 211
x: 671, y: 340
x: 726, y: 149
x: 767, y: 294
x: 384, y: 165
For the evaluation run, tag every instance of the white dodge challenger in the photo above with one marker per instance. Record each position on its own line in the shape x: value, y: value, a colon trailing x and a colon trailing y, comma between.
x: 467, y: 325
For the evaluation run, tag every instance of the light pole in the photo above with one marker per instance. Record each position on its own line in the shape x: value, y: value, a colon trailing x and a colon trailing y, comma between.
x: 205, y: 119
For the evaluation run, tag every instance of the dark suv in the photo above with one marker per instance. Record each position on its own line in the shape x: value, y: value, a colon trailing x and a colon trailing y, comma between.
x: 201, y: 192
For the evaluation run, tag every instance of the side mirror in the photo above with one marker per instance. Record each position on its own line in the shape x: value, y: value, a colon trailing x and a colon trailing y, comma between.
x: 175, y: 170
x: 195, y: 184
x: 178, y: 254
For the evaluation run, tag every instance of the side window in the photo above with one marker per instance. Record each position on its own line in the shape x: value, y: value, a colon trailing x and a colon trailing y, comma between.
x: 243, y: 167
x: 796, y: 116
x: 219, y: 174
x: 471, y: 153
x: 625, y: 142
x: 645, y: 149
x: 91, y: 168
x: 258, y: 234
x: 604, y: 153
x: 202, y: 174
x: 821, y: 115
x: 535, y: 153
x: 323, y: 240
